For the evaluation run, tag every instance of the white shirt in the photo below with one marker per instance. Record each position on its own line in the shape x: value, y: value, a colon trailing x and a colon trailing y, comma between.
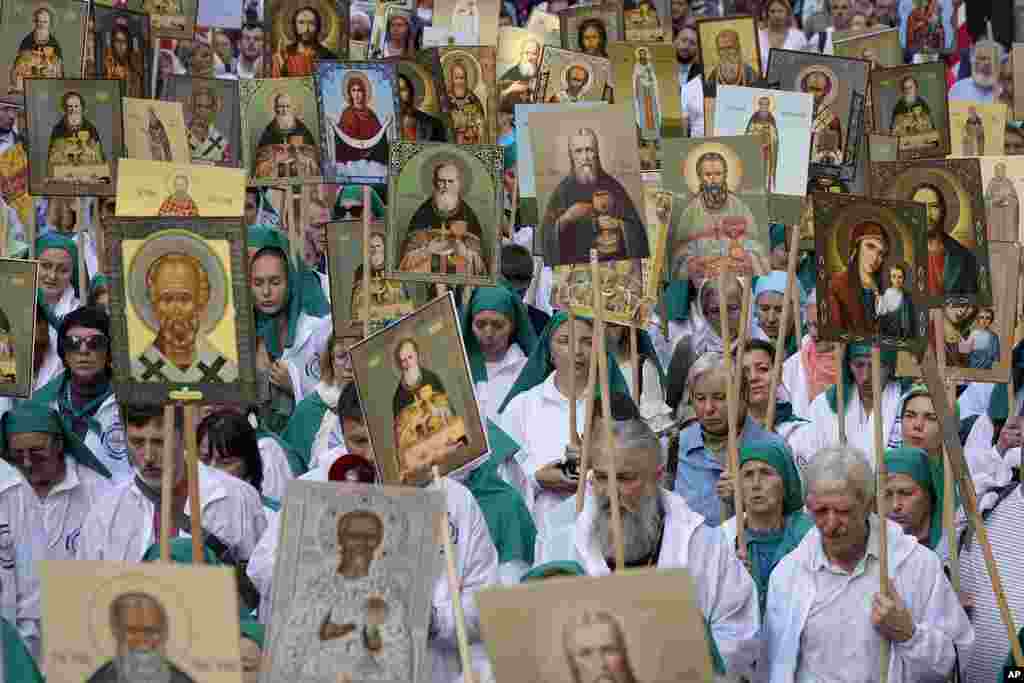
x: 692, y: 93
x: 277, y: 471
x: 65, y: 507
x: 795, y: 40
x: 491, y: 393
x: 807, y: 599
x: 538, y: 420
x: 794, y: 379
x: 22, y: 544
x: 476, y: 565
x: 120, y: 527
x: 244, y: 72
x: 303, y: 356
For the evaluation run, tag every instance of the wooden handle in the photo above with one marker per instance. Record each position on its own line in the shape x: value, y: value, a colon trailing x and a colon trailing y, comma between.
x: 192, y: 466
x: 733, y: 452
x: 744, y: 331
x: 634, y: 358
x: 167, y: 477
x: 366, y: 258
x: 588, y: 435
x: 789, y: 297
x: 841, y: 393
x: 880, y: 469
x: 600, y: 349
x: 574, y: 436
x: 453, y: 587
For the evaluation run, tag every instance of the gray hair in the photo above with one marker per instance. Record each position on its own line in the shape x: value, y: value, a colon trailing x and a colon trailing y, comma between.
x: 991, y: 44
x: 132, y: 600
x: 712, y: 362
x: 630, y: 435
x: 841, y: 465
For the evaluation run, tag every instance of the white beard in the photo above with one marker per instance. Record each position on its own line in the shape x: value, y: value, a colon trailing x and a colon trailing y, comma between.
x: 411, y: 377
x: 640, y: 530
x: 586, y: 176
x: 527, y: 69
x: 143, y: 666
x: 446, y: 202
x: 74, y: 121
x: 909, y: 101
x: 285, y: 122
x: 985, y: 81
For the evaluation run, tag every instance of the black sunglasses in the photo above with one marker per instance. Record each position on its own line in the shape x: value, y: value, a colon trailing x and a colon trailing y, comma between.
x: 97, y: 342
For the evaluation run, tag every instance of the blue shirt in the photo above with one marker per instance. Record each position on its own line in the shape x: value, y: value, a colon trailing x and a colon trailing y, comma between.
x: 699, y: 470
x: 967, y: 89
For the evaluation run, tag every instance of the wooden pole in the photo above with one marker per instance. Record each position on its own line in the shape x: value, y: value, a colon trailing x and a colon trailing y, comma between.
x: 588, y: 437
x: 951, y: 437
x: 788, y: 298
x: 83, y: 273
x: 453, y: 587
x: 733, y: 409
x: 192, y: 466
x: 881, y: 478
x: 600, y: 349
x: 744, y: 330
x: 167, y: 484
x: 574, y: 435
x: 948, y: 486
x: 366, y: 259
x: 841, y: 393
x: 634, y: 359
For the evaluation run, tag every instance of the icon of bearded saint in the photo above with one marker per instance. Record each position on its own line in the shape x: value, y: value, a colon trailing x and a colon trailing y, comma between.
x: 298, y: 58
x: 39, y: 55
x: 74, y: 140
x: 159, y: 140
x: 123, y: 63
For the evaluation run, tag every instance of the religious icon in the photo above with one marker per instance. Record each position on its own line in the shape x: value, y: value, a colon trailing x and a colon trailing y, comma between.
x: 872, y: 270
x: 184, y: 611
x: 729, y: 51
x: 39, y: 40
x: 952, y: 190
x: 180, y: 315
x: 122, y: 46
x: 567, y: 76
x: 150, y: 188
x: 721, y: 220
x: 470, y: 94
x: 76, y: 134
x: 647, y: 20
x: 978, y: 340
x: 395, y: 35
x: 925, y: 29
x: 172, y: 18
x: 547, y: 630
x: 14, y: 163
x: 303, y: 32
x: 881, y: 48
x: 1003, y: 179
x: 590, y: 29
x: 588, y: 186
x: 416, y: 377
x: 545, y: 24
x: 419, y: 104
x: 649, y: 72
x: 155, y: 131
x: 280, y: 130
x: 467, y: 22
x: 353, y: 583
x: 977, y: 129
x: 783, y: 122
x: 911, y: 103
x: 444, y: 220
x: 838, y: 86
x: 358, y: 103
x: 17, y: 326
x: 211, y: 118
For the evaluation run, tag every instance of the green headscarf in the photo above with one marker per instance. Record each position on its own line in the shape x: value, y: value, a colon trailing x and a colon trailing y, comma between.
x: 55, y: 240
x: 354, y: 193
x: 304, y: 295
x: 508, y: 304
x: 181, y: 552
x: 776, y: 235
x: 538, y: 365
x: 928, y: 473
x: 254, y: 631
x: 676, y: 298
x: 856, y: 351
x: 99, y: 281
x: 766, y: 549
x: 31, y: 417
x: 19, y: 665
x: 508, y: 519
x: 553, y: 569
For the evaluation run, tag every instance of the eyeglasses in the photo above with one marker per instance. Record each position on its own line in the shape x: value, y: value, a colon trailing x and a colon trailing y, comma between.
x: 97, y: 342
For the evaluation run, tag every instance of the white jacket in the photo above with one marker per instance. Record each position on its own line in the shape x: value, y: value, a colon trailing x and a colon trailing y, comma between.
x: 794, y: 378
x: 277, y: 471
x: 68, y: 302
x: 64, y: 509
x: 111, y: 445
x: 476, y: 564
x: 22, y: 543
x: 726, y: 595
x: 120, y: 527
x: 303, y: 356
x: 917, y: 578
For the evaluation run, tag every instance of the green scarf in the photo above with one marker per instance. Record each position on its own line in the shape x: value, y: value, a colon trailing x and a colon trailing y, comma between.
x: 538, y: 365
x: 784, y: 413
x: 676, y: 298
x: 766, y: 550
x: 254, y: 631
x: 554, y: 569
x: 502, y: 301
x: 928, y: 474
x: 181, y: 553
x: 54, y: 240
x: 302, y: 428
x: 38, y: 418
x: 855, y: 351
x: 999, y: 402
x: 354, y: 193
x: 508, y: 519
x: 19, y: 666
x: 99, y: 281
x: 302, y: 298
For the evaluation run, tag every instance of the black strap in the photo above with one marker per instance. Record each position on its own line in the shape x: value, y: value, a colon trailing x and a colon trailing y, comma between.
x: 822, y: 38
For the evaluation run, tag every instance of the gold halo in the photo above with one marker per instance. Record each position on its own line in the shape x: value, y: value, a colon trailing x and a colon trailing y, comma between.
x: 590, y: 76
x: 357, y: 76
x: 636, y: 53
x: 833, y: 92
x: 898, y: 232
x: 469, y: 61
x: 958, y: 213
x: 732, y: 160
x: 284, y: 91
x: 284, y: 22
x: 179, y: 626
x: 425, y: 98
x: 757, y: 102
x: 169, y: 180
x: 445, y: 156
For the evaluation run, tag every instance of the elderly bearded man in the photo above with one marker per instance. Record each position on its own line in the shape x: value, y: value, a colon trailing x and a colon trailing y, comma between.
x: 466, y: 110
x: 39, y: 55
x: 178, y: 288
x: 660, y: 530
x: 980, y: 86
x: 74, y: 140
x: 731, y: 69
x: 517, y: 83
x: 825, y: 612
x: 576, y: 80
x: 574, y: 218
x: 140, y: 627
x: 286, y: 148
x: 207, y: 144
x: 826, y: 128
x: 298, y: 58
x: 121, y: 62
